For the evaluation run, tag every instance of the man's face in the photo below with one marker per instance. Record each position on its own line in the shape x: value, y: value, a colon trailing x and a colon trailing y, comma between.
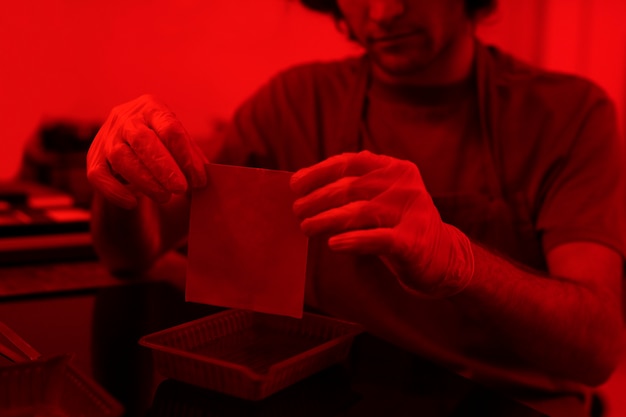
x: 405, y: 36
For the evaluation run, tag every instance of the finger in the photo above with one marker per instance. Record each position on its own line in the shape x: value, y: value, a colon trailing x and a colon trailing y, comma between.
x: 202, y: 164
x: 103, y: 180
x: 124, y: 162
x: 345, y: 165
x: 172, y: 133
x: 152, y: 152
x: 352, y: 216
x: 364, y: 242
x: 339, y: 193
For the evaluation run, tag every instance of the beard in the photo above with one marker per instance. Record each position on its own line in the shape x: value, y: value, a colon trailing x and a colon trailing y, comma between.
x: 404, y: 56
x: 409, y: 57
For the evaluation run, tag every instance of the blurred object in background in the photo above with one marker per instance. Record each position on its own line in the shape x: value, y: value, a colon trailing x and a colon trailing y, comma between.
x: 56, y: 157
x: 41, y: 223
x: 44, y: 214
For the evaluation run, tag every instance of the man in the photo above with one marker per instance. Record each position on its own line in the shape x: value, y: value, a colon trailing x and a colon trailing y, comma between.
x: 464, y: 206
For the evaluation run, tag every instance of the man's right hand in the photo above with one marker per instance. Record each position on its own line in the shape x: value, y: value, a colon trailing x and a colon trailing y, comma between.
x: 142, y: 148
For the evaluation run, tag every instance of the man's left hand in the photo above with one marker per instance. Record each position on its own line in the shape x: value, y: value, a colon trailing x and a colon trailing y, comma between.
x: 378, y: 205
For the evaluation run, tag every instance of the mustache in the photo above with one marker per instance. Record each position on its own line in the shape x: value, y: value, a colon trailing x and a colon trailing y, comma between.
x: 381, y: 36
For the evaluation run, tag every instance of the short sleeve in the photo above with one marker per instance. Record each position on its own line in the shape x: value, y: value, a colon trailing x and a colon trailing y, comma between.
x: 585, y: 198
x: 289, y: 122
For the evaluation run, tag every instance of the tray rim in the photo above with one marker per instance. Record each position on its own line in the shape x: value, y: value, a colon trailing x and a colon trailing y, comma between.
x: 115, y: 407
x: 89, y: 388
x: 353, y: 330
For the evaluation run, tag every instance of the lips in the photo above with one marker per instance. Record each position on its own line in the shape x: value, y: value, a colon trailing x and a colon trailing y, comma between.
x: 394, y: 37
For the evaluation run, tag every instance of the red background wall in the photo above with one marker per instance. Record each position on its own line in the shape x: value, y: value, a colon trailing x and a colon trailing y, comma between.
x: 78, y: 58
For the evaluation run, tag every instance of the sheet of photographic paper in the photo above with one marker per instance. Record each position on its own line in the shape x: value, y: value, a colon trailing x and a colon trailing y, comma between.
x: 245, y: 247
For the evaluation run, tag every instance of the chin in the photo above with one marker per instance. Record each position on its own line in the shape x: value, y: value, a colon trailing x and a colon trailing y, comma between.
x: 402, y: 66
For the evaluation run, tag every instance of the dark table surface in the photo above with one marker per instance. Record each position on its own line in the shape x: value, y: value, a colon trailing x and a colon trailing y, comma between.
x: 366, y: 384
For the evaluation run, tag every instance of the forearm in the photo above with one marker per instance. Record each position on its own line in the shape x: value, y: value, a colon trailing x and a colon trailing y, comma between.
x: 132, y: 240
x: 551, y: 323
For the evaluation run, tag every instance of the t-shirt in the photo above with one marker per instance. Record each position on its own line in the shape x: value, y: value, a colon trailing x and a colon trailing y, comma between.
x: 437, y: 128
x: 555, y: 136
x: 554, y: 140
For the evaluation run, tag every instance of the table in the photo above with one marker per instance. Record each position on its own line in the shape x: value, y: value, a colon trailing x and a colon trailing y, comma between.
x: 103, y: 322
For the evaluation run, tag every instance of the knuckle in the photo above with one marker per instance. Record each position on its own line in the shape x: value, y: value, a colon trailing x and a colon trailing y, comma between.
x: 126, y: 107
x: 143, y: 103
x: 147, y: 106
x: 97, y: 177
x: 92, y: 175
x: 389, y: 160
x: 101, y: 135
x: 118, y: 152
x: 352, y: 191
x: 363, y: 209
x: 92, y: 152
x: 118, y: 148
x: 373, y: 210
x: 126, y: 130
x: 371, y: 158
x: 156, y: 111
x: 112, y: 121
x: 146, y: 103
x: 147, y: 98
x: 298, y: 209
x: 116, y: 110
x: 409, y: 166
x: 171, y: 127
x: 132, y: 129
x: 368, y: 188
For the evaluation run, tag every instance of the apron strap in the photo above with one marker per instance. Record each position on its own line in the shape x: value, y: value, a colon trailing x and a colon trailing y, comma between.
x: 487, y: 114
x: 347, y: 136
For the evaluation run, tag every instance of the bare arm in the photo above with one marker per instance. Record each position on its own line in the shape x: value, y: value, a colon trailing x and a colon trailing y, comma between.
x: 568, y: 323
x: 142, y: 165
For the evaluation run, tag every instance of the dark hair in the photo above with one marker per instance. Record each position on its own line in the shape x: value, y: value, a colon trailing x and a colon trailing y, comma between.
x: 473, y: 8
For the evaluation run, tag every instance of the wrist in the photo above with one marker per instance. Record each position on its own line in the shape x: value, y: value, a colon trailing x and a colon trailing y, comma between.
x: 459, y: 262
x: 446, y: 270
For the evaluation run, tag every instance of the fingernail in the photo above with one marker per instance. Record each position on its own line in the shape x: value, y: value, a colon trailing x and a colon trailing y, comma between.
x: 177, y: 183
x: 306, y: 228
x: 179, y: 187
x: 163, y: 198
x: 127, y: 204
x: 339, y: 244
x: 295, y: 178
x: 297, y: 209
x: 176, y: 189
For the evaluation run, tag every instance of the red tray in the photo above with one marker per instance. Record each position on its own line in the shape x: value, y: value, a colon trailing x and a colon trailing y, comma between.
x: 47, y: 387
x: 250, y: 355
x: 52, y: 388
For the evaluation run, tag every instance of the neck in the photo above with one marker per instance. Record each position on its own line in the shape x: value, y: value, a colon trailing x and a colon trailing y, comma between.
x: 453, y: 64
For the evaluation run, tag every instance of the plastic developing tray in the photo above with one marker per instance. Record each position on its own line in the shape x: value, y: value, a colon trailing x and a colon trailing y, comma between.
x: 250, y: 355
x: 32, y: 385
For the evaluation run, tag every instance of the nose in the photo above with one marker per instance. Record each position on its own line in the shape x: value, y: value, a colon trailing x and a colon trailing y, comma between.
x: 385, y: 11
